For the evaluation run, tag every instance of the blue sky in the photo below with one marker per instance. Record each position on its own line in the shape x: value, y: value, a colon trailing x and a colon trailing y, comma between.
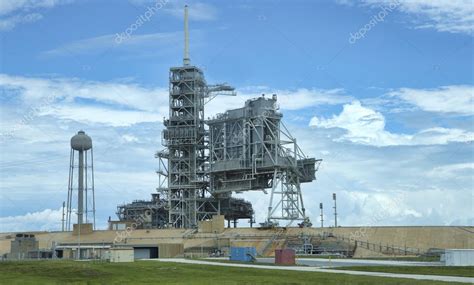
x: 381, y: 90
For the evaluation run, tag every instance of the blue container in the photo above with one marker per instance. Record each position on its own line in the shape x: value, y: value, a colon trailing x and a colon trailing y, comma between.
x: 245, y: 254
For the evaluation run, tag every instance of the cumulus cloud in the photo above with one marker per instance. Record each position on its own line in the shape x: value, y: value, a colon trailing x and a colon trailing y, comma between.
x: 120, y: 117
x: 457, y: 99
x: 46, y: 220
x: 366, y: 126
x: 422, y: 207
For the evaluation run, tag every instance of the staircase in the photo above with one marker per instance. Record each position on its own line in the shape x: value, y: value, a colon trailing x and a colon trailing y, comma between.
x: 280, y: 232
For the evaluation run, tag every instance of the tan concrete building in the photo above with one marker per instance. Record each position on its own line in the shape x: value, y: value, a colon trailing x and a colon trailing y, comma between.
x: 160, y: 243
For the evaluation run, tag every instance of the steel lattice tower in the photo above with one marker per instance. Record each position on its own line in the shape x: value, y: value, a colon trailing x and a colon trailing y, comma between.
x: 187, y: 189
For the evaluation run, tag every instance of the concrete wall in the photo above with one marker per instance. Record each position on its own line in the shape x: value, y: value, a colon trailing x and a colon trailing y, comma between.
x: 414, y: 237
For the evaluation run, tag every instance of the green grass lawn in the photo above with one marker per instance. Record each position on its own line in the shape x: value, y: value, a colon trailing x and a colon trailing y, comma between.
x: 465, y: 271
x: 153, y: 272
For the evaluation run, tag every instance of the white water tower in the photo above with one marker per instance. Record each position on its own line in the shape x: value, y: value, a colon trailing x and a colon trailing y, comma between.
x: 81, y: 181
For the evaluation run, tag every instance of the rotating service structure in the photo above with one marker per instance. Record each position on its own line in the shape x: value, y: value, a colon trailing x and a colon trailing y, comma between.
x: 251, y: 149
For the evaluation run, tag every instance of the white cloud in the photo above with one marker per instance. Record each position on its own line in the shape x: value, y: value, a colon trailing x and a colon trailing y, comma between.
x: 9, y: 6
x: 9, y: 23
x: 366, y: 126
x: 457, y: 99
x: 452, y: 170
x: 304, y: 98
x: 122, y: 104
x: 422, y: 207
x: 110, y: 103
x: 46, y: 220
x: 91, y: 115
x: 129, y: 138
x: 359, y: 175
x: 454, y: 16
x: 105, y: 42
x: 124, y: 161
x: 14, y: 12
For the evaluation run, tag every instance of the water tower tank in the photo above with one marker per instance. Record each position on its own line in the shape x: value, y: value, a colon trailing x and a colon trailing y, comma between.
x: 81, y: 141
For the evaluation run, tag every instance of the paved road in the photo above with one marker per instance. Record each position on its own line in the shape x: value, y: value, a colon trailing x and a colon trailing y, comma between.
x: 468, y: 280
x: 324, y: 262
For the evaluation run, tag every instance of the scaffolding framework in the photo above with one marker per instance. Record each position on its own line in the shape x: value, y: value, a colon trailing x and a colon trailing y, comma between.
x: 187, y: 192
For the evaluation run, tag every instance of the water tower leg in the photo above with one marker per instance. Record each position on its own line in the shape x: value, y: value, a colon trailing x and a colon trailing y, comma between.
x: 80, y: 188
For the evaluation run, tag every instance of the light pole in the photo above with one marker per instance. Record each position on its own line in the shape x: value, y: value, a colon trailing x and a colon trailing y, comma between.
x: 321, y: 209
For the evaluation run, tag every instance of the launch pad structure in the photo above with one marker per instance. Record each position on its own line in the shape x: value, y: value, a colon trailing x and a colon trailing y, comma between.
x: 205, y: 161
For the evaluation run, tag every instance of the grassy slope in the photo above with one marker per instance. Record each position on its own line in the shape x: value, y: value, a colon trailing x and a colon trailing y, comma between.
x: 151, y: 272
x: 465, y: 271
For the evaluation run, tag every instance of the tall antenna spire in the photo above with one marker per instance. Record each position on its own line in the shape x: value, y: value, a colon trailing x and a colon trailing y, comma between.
x: 186, y: 37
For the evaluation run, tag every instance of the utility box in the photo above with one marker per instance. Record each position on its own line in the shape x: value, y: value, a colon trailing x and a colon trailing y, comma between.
x: 285, y: 256
x: 459, y: 257
x: 122, y: 254
x: 245, y: 254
